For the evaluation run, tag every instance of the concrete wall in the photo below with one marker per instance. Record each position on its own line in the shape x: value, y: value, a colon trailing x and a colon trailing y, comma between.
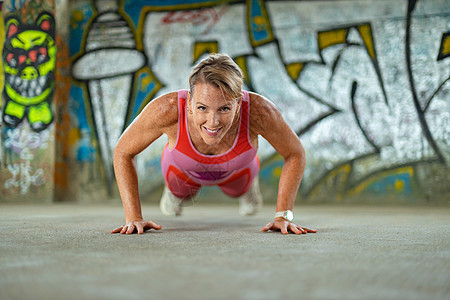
x: 27, y: 100
x: 364, y: 84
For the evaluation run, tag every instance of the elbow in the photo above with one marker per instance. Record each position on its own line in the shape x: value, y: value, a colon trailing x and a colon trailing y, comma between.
x: 120, y: 154
x: 297, y: 156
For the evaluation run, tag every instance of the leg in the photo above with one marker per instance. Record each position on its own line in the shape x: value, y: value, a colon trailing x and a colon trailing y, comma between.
x: 178, y: 188
x: 13, y: 113
x: 245, y: 185
x: 252, y: 200
x: 40, y: 116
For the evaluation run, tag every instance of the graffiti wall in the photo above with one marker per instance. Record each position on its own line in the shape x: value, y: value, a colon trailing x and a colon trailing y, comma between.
x: 364, y: 84
x: 27, y: 117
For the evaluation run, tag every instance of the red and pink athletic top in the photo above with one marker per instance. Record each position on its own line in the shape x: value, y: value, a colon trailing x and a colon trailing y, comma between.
x: 185, y: 169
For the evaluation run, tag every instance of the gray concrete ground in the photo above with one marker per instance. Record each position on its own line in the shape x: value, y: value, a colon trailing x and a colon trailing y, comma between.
x: 65, y: 251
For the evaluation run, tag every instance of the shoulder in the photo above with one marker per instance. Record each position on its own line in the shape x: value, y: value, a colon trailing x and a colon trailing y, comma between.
x: 162, y: 111
x: 263, y: 113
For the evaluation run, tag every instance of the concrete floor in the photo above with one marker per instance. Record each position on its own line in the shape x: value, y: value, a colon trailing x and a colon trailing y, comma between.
x: 65, y: 251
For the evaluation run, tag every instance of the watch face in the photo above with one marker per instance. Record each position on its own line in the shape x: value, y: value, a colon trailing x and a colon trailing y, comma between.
x: 289, y: 215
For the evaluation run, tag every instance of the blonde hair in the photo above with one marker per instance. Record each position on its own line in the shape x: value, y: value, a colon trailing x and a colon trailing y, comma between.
x: 220, y: 71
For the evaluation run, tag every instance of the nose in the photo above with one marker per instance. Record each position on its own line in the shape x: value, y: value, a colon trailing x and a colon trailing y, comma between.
x: 29, y: 73
x: 213, y: 119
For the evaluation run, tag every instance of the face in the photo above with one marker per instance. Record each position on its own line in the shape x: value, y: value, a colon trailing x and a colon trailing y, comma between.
x: 212, y: 113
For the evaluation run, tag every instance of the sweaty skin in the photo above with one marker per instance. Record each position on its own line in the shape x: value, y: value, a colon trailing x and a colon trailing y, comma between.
x: 213, y: 125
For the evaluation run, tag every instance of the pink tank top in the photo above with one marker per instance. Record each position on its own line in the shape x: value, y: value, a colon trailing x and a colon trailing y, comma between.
x: 210, y: 169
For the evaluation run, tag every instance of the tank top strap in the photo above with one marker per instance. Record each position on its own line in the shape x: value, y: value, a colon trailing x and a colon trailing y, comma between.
x: 243, y: 144
x: 183, y: 136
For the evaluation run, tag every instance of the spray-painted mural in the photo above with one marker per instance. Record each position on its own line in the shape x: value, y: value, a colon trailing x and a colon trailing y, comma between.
x: 28, y: 60
x: 29, y: 55
x: 364, y: 84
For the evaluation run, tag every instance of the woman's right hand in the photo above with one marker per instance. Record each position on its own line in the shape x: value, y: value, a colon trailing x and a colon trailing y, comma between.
x: 136, y: 226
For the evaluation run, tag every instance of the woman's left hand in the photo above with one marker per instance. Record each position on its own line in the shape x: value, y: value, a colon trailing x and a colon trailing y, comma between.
x: 285, y: 227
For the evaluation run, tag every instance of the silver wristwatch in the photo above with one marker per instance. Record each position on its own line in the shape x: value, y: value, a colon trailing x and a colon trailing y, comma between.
x: 288, y: 215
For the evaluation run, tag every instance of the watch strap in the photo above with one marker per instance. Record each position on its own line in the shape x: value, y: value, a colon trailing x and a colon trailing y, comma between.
x: 283, y: 214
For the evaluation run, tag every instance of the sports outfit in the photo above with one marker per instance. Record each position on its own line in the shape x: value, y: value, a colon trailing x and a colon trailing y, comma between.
x: 185, y: 169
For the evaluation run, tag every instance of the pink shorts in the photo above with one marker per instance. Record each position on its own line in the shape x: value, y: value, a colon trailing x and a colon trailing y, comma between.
x: 182, y: 186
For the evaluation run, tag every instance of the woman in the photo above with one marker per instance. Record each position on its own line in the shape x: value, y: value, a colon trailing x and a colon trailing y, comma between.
x: 212, y: 132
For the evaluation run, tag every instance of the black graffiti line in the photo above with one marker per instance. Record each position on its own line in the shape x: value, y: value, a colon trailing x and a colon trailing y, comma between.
x: 309, y: 94
x: 434, y: 94
x: 314, y: 122
x: 392, y: 168
x: 302, y: 131
x: 353, y: 92
x: 345, y: 186
x: 374, y: 63
x: 249, y: 83
x: 337, y: 61
x: 323, y: 102
x: 311, y: 124
x: 420, y: 114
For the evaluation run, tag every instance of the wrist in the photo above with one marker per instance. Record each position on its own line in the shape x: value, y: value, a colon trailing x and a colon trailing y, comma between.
x: 134, y: 218
x: 287, y: 215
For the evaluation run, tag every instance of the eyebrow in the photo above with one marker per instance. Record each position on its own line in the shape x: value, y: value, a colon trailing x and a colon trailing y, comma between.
x: 202, y: 104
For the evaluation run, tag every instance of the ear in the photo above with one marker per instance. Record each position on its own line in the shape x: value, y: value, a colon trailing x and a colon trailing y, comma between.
x: 12, y: 25
x: 46, y: 22
x: 189, y: 98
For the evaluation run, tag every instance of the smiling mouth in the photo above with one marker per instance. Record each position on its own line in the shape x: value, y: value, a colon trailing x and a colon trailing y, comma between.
x: 212, y: 132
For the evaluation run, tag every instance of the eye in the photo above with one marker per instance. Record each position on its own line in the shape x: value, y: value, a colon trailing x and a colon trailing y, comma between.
x: 201, y: 108
x: 22, y: 59
x: 42, y: 54
x: 32, y: 55
x: 11, y: 60
x: 225, y: 109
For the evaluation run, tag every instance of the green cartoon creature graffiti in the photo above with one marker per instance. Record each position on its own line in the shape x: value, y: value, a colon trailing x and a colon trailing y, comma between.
x: 29, y: 56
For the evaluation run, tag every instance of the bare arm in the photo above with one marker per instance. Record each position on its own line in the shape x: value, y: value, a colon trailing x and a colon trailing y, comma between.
x: 158, y: 117
x: 269, y: 123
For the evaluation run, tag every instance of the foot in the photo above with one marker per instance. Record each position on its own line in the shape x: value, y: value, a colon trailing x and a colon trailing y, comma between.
x: 252, y: 201
x: 11, y: 121
x: 170, y: 205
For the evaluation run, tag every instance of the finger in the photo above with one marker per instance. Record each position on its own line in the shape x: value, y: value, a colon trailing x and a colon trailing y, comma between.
x: 295, y: 229
x: 303, y: 231
x: 284, y: 229
x: 124, y: 229
x: 140, y: 229
x: 267, y: 227
x: 309, y: 230
x: 130, y: 229
x: 151, y: 224
x: 116, y: 230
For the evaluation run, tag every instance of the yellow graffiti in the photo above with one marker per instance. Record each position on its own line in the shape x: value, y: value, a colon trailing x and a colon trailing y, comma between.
x: 332, y: 37
x: 446, y: 46
x: 366, y: 35
x: 277, y: 172
x: 337, y: 177
x: 242, y: 63
x: 398, y: 186
x: 77, y: 17
x: 294, y: 70
x: 201, y: 48
x: 74, y: 136
x: 146, y: 80
x: 258, y: 23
